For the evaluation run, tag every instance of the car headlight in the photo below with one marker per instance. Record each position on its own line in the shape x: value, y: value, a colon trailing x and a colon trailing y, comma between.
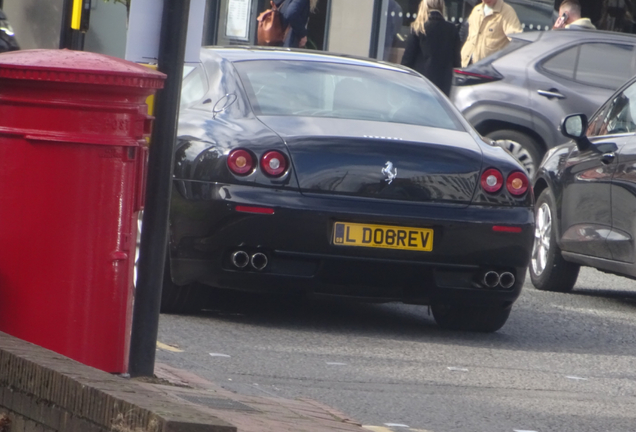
x: 6, y: 27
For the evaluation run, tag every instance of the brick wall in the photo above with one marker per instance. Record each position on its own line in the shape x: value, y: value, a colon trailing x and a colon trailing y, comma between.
x: 41, y: 391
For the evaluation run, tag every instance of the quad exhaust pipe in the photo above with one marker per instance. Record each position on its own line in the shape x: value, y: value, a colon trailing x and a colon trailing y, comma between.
x: 259, y: 261
x: 241, y: 259
x: 492, y: 279
x: 506, y: 280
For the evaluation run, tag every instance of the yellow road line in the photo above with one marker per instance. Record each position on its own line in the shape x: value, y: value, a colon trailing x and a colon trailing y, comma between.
x: 163, y: 346
x: 386, y: 429
x: 377, y: 428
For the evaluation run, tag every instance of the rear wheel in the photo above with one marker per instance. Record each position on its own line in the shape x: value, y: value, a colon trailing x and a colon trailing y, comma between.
x: 486, y: 319
x: 548, y: 270
x: 527, y: 151
x: 177, y: 299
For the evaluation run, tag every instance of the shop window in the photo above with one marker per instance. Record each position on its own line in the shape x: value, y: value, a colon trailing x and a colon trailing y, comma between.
x: 397, y: 15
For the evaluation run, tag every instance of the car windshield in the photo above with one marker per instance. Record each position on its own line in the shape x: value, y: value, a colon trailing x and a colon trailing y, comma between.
x: 321, y: 89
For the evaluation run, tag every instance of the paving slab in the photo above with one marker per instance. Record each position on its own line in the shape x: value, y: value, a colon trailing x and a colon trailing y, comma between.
x: 251, y: 413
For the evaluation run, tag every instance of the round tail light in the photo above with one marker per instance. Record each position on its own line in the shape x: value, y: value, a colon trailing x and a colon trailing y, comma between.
x: 517, y: 183
x: 274, y: 163
x: 491, y: 180
x: 240, y: 162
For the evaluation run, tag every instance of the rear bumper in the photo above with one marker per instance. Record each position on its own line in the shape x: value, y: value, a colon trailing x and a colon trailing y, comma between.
x: 206, y: 230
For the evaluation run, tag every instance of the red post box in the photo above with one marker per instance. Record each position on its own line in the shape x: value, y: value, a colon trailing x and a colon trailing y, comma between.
x: 72, y: 170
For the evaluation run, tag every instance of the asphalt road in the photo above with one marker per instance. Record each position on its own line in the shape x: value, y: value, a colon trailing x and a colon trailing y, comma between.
x: 563, y: 362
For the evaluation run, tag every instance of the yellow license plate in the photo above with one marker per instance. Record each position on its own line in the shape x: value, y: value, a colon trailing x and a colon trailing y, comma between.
x: 383, y: 236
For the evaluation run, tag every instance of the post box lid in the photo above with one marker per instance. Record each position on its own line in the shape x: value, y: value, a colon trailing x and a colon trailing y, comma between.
x: 80, y: 67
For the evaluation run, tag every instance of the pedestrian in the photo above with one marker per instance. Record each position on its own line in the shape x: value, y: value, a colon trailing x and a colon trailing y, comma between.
x: 489, y: 25
x: 295, y: 14
x: 570, y: 17
x: 433, y: 46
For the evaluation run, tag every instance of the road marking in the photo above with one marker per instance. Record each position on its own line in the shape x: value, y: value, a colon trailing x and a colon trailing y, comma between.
x: 336, y: 364
x: 458, y: 369
x: 396, y: 425
x: 386, y: 429
x: 219, y: 355
x: 166, y: 347
x: 576, y: 378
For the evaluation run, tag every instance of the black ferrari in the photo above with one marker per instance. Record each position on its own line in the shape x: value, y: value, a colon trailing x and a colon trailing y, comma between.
x: 586, y: 205
x: 319, y: 174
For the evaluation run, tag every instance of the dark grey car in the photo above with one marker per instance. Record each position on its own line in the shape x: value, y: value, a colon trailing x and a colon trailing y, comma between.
x: 519, y: 95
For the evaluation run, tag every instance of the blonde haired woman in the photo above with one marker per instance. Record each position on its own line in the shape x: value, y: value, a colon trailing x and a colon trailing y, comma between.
x: 433, y: 47
x: 296, y: 15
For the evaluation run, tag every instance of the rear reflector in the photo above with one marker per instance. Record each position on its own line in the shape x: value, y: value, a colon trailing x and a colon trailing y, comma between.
x: 509, y: 229
x: 260, y: 210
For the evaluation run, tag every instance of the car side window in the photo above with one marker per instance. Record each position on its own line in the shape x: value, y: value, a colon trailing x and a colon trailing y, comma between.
x: 563, y: 64
x: 618, y: 115
x: 605, y: 65
x: 194, y: 85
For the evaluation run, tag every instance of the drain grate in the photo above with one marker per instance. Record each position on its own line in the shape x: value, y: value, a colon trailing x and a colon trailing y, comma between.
x: 217, y: 403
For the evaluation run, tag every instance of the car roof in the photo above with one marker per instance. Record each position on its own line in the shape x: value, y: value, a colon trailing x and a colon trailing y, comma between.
x: 251, y: 53
x: 559, y: 35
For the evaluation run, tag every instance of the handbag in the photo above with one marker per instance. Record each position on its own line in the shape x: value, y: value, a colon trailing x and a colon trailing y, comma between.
x: 270, y: 31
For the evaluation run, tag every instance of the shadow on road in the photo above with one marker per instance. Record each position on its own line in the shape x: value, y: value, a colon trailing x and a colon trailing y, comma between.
x: 586, y: 320
x: 621, y: 296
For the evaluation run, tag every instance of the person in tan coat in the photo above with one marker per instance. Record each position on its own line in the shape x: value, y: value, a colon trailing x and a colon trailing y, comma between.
x: 489, y: 25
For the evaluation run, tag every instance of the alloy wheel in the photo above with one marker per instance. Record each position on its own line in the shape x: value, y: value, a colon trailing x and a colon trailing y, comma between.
x: 520, y: 153
x: 542, y: 235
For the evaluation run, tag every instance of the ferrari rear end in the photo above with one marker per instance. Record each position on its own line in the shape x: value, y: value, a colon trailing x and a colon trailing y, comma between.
x: 355, y: 196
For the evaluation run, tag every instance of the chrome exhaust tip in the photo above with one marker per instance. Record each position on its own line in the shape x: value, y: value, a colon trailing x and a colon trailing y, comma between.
x: 491, y: 279
x: 240, y: 259
x: 506, y: 280
x: 259, y: 261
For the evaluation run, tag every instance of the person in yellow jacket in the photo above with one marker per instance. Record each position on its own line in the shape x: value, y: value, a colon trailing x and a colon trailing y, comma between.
x: 489, y: 25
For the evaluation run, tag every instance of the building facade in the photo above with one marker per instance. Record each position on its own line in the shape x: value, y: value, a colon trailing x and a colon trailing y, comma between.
x: 368, y: 28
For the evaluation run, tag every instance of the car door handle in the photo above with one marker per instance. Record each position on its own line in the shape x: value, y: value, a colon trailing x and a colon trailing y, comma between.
x: 608, y: 158
x: 552, y: 93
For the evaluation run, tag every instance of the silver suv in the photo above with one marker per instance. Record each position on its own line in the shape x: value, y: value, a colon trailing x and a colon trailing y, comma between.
x: 519, y: 95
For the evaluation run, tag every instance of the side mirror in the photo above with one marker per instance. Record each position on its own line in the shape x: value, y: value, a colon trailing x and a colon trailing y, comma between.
x: 574, y: 126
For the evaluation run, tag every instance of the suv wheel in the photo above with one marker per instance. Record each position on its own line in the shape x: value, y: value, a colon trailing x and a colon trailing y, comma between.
x: 523, y: 147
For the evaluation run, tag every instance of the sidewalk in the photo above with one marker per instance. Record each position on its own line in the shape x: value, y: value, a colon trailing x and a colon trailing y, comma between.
x: 44, y: 391
x: 251, y: 414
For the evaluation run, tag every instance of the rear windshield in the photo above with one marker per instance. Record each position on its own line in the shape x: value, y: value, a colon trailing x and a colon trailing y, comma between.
x: 321, y: 89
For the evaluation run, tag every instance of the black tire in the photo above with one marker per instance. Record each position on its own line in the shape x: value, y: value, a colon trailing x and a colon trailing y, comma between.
x: 527, y: 150
x: 177, y: 299
x: 548, y: 270
x: 485, y: 319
